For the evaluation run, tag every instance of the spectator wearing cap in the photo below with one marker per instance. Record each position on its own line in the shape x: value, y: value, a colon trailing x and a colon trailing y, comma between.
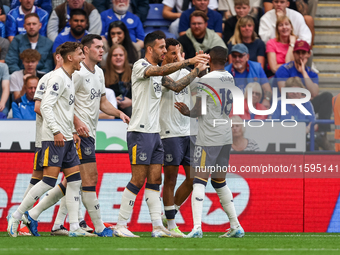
x: 322, y: 103
x: 60, y: 16
x: 199, y: 36
x: 245, y: 71
x: 43, y: 4
x: 31, y: 40
x: 214, y: 17
x: 23, y: 107
x: 15, y: 19
x: 119, y: 11
x: 76, y: 31
x: 30, y: 58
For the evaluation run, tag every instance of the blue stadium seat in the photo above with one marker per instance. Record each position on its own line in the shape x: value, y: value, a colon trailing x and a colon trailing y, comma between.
x: 155, y: 17
x: 166, y: 32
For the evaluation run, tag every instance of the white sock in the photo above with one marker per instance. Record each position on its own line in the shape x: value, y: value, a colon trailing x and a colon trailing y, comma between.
x: 128, y: 201
x: 32, y: 196
x: 154, y: 202
x: 170, y: 213
x: 80, y: 213
x: 61, y: 215
x: 177, y: 207
x: 197, y: 199
x: 30, y: 185
x: 92, y: 206
x: 52, y: 197
x: 226, y: 199
x: 72, y: 203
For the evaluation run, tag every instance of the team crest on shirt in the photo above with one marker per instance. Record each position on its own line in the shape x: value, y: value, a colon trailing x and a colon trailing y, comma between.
x: 55, y: 86
x: 87, y: 151
x: 142, y: 156
x: 169, y: 158
x: 55, y: 159
x: 129, y: 21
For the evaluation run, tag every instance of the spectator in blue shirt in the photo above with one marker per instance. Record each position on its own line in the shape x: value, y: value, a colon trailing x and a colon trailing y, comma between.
x: 120, y: 12
x: 15, y: 19
x: 2, y: 21
x: 322, y: 103
x: 23, y: 107
x: 76, y: 31
x: 31, y: 40
x: 43, y: 4
x: 214, y: 22
x: 4, y: 89
x: 245, y: 71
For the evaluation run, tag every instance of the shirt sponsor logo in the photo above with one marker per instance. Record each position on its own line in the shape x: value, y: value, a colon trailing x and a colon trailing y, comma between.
x: 95, y: 94
x: 71, y: 99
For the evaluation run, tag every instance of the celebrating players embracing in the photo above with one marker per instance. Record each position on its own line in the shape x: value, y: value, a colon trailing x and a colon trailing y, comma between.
x: 144, y: 143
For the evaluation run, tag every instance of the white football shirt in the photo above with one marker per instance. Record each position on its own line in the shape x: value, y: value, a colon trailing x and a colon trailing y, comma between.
x: 146, y: 97
x: 57, y: 106
x: 212, y: 129
x: 173, y: 123
x: 41, y: 88
x: 89, y: 88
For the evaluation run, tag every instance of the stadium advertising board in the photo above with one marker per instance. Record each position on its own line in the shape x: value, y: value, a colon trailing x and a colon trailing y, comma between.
x: 111, y: 136
x: 307, y: 201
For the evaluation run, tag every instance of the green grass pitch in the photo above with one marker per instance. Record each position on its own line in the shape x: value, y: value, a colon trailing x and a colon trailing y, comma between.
x: 252, y: 244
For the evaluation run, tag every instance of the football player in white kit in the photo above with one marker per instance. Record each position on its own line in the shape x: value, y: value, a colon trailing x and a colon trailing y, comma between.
x: 175, y: 134
x: 144, y: 143
x: 213, y: 142
x: 57, y: 108
x: 90, y: 96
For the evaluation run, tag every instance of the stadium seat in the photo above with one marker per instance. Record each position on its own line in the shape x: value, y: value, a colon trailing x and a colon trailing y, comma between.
x: 155, y: 17
x: 148, y: 30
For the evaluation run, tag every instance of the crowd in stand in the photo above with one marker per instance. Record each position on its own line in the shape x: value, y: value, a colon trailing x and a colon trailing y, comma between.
x: 267, y: 46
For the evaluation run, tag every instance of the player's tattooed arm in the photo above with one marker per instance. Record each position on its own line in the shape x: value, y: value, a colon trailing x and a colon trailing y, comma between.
x: 173, y: 67
x: 177, y: 86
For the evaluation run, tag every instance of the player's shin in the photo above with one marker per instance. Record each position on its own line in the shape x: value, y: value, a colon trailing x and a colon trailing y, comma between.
x: 91, y: 203
x: 226, y: 199
x: 197, y: 200
x: 72, y: 199
x: 153, y: 200
x: 128, y: 200
x: 52, y: 197
x: 61, y: 215
x: 34, y: 194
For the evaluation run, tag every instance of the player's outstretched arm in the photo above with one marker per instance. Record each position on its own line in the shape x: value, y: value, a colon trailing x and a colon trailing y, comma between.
x: 109, y: 109
x: 194, y: 112
x: 177, y: 86
x: 173, y: 67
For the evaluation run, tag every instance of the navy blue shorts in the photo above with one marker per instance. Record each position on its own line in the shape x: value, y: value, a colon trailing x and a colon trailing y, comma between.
x: 176, y: 151
x: 38, y: 160
x: 207, y: 156
x: 86, y: 152
x: 64, y: 157
x: 145, y: 148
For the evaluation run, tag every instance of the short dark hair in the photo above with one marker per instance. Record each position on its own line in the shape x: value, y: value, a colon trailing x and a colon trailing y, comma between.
x: 30, y: 55
x: 78, y: 12
x: 150, y: 39
x: 218, y: 55
x: 88, y: 39
x: 57, y: 50
x: 31, y: 77
x: 32, y: 15
x: 171, y: 42
x: 68, y: 47
x: 198, y: 13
